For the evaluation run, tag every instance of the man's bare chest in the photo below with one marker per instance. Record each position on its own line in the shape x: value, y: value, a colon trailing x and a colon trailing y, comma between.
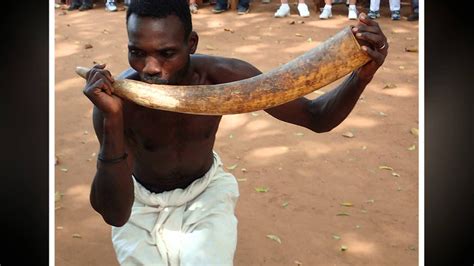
x: 155, y: 129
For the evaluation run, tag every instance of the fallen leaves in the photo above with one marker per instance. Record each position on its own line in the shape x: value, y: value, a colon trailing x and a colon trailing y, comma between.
x: 346, y: 204
x: 343, y: 247
x: 241, y: 179
x: 343, y: 214
x: 261, y: 189
x: 384, y: 167
x: 411, y: 49
x: 336, y: 237
x: 57, y: 196
x: 412, y: 148
x: 348, y: 134
x: 229, y: 30
x: 414, y: 131
x: 274, y: 238
x: 285, y: 204
x: 298, y: 35
x: 299, y: 134
x: 76, y: 236
x: 232, y: 167
x: 64, y: 170
x: 389, y: 86
x: 88, y: 46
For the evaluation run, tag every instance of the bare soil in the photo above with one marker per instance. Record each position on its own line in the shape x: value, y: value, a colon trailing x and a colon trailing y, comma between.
x: 308, y: 175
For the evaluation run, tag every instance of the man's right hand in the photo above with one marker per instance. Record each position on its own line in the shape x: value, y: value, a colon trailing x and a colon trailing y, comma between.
x: 100, y: 91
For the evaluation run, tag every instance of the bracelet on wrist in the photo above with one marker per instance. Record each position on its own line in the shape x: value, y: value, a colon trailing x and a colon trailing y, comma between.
x: 114, y: 160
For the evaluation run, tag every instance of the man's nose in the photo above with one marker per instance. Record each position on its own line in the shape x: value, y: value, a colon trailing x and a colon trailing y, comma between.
x: 152, y: 66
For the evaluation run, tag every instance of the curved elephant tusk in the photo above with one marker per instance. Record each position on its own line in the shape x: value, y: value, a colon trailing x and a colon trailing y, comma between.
x: 329, y: 61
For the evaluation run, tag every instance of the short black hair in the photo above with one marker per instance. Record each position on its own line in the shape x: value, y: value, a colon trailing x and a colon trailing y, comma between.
x: 162, y: 9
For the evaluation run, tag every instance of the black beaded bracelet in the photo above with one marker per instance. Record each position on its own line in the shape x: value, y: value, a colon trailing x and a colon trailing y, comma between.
x: 115, y: 160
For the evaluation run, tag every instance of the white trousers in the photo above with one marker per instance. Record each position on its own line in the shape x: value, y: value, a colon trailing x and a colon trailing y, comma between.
x: 191, y: 226
x: 394, y: 5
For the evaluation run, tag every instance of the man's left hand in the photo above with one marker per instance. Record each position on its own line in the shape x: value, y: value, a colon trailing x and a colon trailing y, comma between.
x: 373, y: 42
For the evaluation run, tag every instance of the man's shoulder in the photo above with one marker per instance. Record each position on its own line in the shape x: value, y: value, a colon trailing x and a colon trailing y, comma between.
x: 224, y: 69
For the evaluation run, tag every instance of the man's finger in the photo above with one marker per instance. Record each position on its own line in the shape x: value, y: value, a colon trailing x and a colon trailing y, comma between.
x: 374, y: 39
x: 362, y: 27
x: 375, y: 55
x: 100, y: 66
x: 363, y: 18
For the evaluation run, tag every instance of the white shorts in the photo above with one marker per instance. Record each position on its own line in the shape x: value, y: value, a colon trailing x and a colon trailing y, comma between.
x: 191, y: 226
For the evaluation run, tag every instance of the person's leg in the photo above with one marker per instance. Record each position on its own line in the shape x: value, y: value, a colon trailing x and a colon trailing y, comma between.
x: 74, y: 5
x: 110, y: 5
x: 221, y: 6
x: 395, y: 9
x: 352, y: 10
x: 193, y: 7
x: 303, y: 9
x: 374, y: 9
x: 414, y: 11
x: 210, y: 225
x: 283, y: 10
x: 86, y: 4
x: 243, y: 7
x: 327, y: 10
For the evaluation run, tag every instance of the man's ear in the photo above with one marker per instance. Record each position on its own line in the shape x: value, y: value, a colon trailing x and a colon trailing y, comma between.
x: 193, y: 42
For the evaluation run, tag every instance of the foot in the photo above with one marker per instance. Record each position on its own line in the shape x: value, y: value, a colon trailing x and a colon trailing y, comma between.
x: 283, y: 11
x: 373, y: 14
x: 73, y: 7
x: 396, y: 15
x: 85, y: 7
x: 193, y: 8
x: 218, y: 9
x: 242, y: 10
x: 352, y: 13
x: 303, y: 10
x: 327, y: 13
x: 413, y: 17
x: 110, y: 6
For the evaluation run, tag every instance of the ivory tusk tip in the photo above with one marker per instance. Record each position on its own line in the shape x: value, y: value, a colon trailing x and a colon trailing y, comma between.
x: 82, y: 71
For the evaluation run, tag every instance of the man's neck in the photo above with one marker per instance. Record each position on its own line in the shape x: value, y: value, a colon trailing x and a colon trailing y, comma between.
x: 189, y: 76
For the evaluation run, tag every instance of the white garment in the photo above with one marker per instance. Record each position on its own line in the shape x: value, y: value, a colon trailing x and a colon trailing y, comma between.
x: 394, y: 5
x: 191, y: 226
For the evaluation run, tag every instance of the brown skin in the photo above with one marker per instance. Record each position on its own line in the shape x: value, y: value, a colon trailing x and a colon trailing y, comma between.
x: 170, y: 150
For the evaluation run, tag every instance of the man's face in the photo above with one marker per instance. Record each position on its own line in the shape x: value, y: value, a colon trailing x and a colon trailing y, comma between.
x: 157, y: 48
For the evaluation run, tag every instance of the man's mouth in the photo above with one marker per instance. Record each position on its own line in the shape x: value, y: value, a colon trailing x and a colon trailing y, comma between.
x: 154, y: 80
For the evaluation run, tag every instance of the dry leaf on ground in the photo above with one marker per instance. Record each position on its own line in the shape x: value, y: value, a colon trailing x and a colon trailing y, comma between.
x: 348, y: 134
x: 232, y: 167
x: 275, y: 238
x: 347, y: 204
x: 389, y: 86
x: 384, y: 167
x: 261, y: 189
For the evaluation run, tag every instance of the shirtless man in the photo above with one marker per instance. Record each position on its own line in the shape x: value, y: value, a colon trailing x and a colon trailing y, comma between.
x: 158, y: 181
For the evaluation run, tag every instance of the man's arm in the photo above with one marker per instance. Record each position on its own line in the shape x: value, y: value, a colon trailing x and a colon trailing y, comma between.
x: 112, y: 188
x: 329, y: 110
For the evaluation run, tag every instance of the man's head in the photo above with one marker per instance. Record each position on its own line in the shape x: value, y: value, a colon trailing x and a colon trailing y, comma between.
x: 160, y: 39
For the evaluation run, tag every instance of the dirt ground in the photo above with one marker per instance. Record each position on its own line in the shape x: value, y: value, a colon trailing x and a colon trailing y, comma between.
x: 309, y: 176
